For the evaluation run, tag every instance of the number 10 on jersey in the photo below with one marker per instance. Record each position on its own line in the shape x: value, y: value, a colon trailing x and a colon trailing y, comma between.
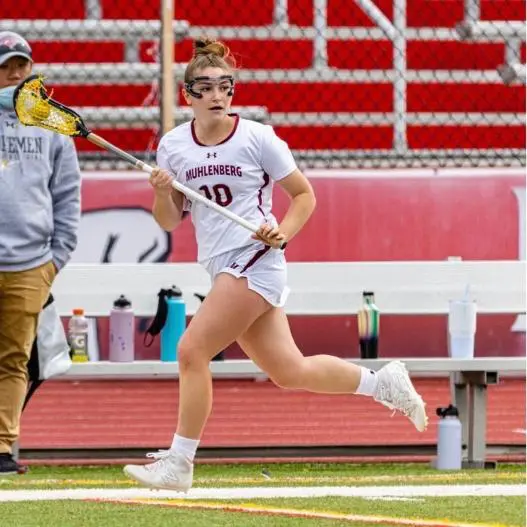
x: 219, y: 193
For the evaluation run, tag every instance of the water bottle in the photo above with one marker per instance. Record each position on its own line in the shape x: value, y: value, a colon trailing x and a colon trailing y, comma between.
x: 449, y: 440
x: 368, y: 321
x: 174, y: 326
x: 78, y: 336
x: 122, y: 331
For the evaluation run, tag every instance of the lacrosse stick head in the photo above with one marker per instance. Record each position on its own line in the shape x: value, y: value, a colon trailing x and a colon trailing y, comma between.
x: 34, y: 107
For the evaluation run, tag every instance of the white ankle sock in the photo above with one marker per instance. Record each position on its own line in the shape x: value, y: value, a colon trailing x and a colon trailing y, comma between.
x: 368, y: 382
x: 185, y: 446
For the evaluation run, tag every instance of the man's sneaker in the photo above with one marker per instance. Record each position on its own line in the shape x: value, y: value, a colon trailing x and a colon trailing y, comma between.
x: 171, y: 471
x: 396, y: 391
x: 9, y: 466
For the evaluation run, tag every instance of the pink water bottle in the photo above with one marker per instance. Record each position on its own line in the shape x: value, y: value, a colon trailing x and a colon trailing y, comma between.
x: 122, y: 331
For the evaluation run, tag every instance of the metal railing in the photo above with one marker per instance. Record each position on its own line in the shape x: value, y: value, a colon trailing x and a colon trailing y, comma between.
x: 472, y: 28
x: 400, y: 114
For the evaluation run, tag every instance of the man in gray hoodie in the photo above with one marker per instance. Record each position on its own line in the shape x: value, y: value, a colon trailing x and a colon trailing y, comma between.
x: 39, y: 216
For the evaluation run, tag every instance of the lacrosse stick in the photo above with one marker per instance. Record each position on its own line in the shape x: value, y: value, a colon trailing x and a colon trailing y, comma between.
x: 34, y: 107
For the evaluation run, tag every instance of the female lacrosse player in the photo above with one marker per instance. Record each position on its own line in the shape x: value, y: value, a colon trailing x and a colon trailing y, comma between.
x: 235, y: 162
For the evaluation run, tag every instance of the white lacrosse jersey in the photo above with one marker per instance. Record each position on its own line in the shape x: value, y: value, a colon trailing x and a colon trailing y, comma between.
x: 238, y: 174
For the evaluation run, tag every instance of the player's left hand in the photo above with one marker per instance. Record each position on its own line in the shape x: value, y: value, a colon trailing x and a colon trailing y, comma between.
x: 270, y: 236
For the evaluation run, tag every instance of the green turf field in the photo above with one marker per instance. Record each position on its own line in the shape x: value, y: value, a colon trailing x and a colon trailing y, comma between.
x: 155, y: 509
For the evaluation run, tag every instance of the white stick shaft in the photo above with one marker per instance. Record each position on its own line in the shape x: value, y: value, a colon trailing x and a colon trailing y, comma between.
x: 196, y: 196
x: 192, y: 195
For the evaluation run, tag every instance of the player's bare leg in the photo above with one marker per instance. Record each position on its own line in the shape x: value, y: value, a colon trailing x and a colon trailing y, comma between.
x: 227, y: 311
x: 269, y: 343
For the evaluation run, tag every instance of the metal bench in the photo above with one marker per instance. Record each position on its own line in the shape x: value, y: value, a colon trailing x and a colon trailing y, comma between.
x: 325, y: 288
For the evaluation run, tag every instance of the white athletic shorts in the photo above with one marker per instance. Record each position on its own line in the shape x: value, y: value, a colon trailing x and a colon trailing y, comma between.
x: 265, y: 269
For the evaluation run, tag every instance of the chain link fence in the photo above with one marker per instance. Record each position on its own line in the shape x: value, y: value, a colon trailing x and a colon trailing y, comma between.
x: 348, y: 83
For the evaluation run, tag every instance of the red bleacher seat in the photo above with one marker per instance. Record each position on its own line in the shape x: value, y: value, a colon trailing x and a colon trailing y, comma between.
x: 345, y: 97
x: 254, y: 54
x: 202, y: 13
x: 283, y: 97
x: 353, y: 137
x: 98, y: 52
x: 297, y: 54
x: 466, y: 137
x: 128, y: 139
x: 421, y: 13
x: 328, y: 97
x: 426, y: 55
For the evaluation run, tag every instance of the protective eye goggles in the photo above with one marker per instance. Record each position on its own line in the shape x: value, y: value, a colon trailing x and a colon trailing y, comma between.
x: 200, y: 85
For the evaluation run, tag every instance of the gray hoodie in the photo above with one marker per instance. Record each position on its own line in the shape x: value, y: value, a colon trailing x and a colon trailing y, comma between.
x: 39, y: 196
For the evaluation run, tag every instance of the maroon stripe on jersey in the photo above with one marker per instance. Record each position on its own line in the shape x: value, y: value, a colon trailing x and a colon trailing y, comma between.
x: 255, y: 258
x: 235, y: 127
x: 266, y: 179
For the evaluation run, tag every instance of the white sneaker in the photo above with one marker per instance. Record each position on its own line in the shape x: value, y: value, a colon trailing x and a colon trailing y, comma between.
x: 171, y: 471
x: 396, y: 391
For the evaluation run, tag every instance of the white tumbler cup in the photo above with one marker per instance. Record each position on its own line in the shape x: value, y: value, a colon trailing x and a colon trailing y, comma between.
x: 461, y: 328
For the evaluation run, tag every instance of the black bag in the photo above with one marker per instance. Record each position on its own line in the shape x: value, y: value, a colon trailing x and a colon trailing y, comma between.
x: 160, y: 317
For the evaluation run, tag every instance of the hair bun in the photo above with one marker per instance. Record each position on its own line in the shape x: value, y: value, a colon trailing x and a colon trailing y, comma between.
x: 205, y: 46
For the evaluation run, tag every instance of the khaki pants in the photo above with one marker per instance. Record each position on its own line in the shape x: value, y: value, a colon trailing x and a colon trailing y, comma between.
x: 22, y: 295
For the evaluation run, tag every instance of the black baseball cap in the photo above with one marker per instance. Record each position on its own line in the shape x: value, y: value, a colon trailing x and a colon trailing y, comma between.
x: 13, y: 45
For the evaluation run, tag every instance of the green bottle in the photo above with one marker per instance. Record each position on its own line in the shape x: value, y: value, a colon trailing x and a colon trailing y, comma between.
x: 368, y: 320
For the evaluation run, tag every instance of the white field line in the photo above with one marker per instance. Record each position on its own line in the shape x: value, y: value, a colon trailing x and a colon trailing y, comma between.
x: 303, y: 481
x: 266, y: 492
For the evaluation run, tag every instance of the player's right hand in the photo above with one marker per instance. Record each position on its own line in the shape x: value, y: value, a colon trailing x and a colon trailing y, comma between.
x: 161, y: 181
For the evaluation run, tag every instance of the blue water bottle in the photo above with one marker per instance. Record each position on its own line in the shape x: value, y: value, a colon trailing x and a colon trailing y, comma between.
x: 174, y: 326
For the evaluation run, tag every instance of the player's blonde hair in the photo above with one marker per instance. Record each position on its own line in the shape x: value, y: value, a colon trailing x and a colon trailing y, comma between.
x: 209, y: 53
